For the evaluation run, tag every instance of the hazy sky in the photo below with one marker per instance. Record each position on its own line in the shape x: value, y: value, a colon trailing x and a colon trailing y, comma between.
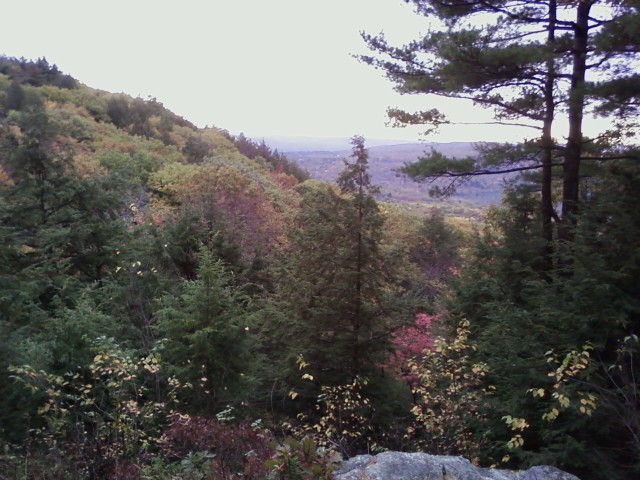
x: 264, y: 67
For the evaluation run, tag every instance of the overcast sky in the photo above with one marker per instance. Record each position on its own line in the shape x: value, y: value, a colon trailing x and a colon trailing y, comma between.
x: 263, y: 67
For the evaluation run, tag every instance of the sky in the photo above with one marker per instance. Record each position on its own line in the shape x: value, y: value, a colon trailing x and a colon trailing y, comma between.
x: 262, y: 67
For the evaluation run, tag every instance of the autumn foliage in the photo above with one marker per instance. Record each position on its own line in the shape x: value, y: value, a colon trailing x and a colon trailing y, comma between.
x: 410, y: 343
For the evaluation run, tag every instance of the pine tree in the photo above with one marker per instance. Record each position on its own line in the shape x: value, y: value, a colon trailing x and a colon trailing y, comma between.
x: 528, y: 62
x: 59, y: 230
x: 58, y: 236
x: 338, y: 298
x: 365, y: 230
x: 205, y: 328
x: 521, y: 322
x: 335, y: 276
x: 528, y: 297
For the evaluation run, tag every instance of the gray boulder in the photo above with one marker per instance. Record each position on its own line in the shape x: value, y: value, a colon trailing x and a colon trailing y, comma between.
x: 422, y: 466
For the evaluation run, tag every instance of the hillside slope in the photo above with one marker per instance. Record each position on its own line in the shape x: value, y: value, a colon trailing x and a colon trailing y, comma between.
x: 157, y: 163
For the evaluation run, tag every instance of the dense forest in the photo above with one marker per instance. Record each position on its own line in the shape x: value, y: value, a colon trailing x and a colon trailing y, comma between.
x: 178, y: 302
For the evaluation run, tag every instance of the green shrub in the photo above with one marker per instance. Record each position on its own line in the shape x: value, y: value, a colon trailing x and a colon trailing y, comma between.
x: 302, y: 460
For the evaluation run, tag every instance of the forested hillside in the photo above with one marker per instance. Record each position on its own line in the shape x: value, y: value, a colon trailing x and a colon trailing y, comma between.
x: 162, y: 285
x: 549, y: 294
x: 180, y: 303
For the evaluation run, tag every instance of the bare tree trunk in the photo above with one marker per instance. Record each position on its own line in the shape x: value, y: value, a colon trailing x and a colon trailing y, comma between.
x: 547, y: 141
x: 573, y: 151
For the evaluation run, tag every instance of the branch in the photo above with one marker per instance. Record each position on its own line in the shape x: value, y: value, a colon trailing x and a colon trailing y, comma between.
x: 517, y: 37
x: 508, y: 124
x: 605, y: 159
x: 487, y: 172
x: 508, y: 13
x: 487, y: 102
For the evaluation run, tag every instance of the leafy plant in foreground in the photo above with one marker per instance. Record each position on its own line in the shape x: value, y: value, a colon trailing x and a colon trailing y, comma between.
x: 102, y: 414
x: 220, y: 450
x: 449, y: 395
x: 302, y: 460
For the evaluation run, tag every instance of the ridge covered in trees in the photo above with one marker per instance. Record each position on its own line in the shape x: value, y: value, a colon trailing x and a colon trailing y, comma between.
x: 150, y: 292
x: 178, y: 302
x: 548, y: 288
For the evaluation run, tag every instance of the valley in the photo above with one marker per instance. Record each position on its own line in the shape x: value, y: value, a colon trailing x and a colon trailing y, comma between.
x: 384, y: 163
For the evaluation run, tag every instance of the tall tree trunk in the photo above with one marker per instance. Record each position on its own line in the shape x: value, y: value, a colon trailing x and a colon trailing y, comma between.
x: 573, y: 151
x: 547, y: 140
x: 355, y: 364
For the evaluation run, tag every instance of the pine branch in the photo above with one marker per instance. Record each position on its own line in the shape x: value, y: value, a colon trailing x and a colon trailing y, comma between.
x: 606, y: 159
x: 450, y: 174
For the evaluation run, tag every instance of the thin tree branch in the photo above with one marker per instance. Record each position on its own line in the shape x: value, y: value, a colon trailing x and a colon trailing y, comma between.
x: 508, y: 124
x: 474, y: 173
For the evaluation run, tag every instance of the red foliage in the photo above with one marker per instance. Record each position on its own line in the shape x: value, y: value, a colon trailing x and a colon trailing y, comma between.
x: 240, y: 450
x: 124, y: 470
x: 282, y: 180
x: 410, y: 342
x: 242, y: 205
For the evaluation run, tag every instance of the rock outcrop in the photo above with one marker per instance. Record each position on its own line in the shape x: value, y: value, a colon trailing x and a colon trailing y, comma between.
x: 422, y: 466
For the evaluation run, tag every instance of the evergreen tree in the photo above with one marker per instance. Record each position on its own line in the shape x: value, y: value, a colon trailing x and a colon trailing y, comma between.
x: 59, y: 230
x: 528, y: 61
x: 278, y: 161
x: 58, y: 234
x: 437, y: 254
x: 527, y: 297
x: 14, y: 97
x: 205, y: 328
x: 337, y: 298
x: 365, y: 229
x: 336, y: 276
x: 520, y: 322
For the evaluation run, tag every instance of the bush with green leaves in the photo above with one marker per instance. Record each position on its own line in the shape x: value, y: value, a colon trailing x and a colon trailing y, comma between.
x: 104, y: 413
x: 450, y: 393
x: 302, y: 459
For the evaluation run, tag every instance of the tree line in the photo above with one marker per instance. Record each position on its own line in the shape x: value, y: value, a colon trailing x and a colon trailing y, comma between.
x: 157, y: 283
x: 164, y: 288
x: 549, y: 296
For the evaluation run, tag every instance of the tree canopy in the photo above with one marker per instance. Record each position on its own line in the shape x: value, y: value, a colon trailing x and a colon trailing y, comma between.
x: 541, y: 64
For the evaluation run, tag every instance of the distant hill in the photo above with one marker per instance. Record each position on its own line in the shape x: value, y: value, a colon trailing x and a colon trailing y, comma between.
x: 286, y: 144
x: 386, y: 160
